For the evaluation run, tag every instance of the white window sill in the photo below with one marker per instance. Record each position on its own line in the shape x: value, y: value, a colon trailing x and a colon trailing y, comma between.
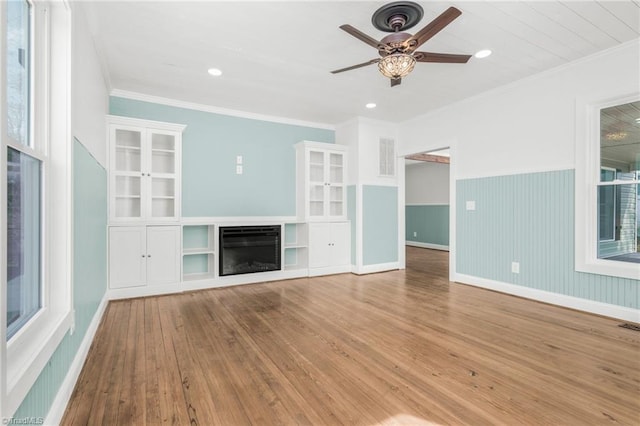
x: 611, y: 268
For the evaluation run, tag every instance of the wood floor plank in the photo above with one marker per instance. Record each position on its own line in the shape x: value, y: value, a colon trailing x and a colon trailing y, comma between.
x: 173, y: 404
x: 85, y: 390
x: 403, y: 347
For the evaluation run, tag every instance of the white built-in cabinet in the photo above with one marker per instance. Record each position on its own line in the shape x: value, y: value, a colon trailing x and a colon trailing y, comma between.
x: 321, y: 173
x: 143, y: 255
x: 329, y: 247
x: 144, y: 170
x: 145, y: 159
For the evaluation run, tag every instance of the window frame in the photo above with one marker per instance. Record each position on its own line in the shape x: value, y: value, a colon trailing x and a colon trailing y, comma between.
x: 587, y: 182
x: 615, y: 206
x: 29, y: 350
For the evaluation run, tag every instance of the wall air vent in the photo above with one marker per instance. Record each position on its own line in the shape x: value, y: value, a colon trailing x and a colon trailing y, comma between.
x: 387, y: 157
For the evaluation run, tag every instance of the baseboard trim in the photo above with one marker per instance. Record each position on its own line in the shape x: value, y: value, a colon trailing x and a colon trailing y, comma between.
x: 427, y: 245
x: 209, y: 283
x: 591, y: 306
x: 329, y: 270
x: 372, y: 269
x: 144, y: 291
x: 59, y: 405
x: 242, y: 279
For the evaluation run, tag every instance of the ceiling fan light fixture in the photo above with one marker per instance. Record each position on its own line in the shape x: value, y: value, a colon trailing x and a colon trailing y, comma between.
x: 396, y: 65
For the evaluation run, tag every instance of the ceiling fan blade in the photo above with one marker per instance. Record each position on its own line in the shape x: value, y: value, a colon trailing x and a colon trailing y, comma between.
x: 433, y: 28
x: 362, y: 36
x: 396, y: 81
x: 353, y: 67
x: 444, y: 58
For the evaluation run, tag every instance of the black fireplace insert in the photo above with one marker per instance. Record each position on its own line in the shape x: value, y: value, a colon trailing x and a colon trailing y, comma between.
x: 247, y: 249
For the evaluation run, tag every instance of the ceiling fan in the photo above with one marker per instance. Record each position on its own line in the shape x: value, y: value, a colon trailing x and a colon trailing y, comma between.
x: 397, y: 51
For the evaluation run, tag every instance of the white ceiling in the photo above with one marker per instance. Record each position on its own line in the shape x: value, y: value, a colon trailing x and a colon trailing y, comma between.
x: 277, y: 56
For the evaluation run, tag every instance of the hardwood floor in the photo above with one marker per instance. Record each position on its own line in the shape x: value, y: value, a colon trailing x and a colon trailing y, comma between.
x: 404, y: 347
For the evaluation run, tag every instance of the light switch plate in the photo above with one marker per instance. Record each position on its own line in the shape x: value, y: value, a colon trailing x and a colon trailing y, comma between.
x: 239, y: 159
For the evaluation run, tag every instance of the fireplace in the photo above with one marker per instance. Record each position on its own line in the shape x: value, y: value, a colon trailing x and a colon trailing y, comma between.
x: 247, y: 249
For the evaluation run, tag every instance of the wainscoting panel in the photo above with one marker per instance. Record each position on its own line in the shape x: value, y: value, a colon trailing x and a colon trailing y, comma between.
x: 380, y: 224
x: 430, y: 223
x: 529, y: 219
x: 90, y: 276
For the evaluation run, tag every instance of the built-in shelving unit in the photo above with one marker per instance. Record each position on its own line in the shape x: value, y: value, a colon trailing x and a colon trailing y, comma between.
x: 198, y: 260
x: 295, y: 245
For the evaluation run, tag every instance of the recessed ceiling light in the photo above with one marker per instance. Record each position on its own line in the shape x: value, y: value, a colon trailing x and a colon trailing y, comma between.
x: 482, y: 53
x: 370, y: 105
x: 214, y: 72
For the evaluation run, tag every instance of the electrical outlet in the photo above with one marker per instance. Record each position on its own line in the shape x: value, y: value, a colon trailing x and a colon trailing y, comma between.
x: 471, y: 205
x: 415, y: 234
x: 515, y: 267
x: 238, y: 170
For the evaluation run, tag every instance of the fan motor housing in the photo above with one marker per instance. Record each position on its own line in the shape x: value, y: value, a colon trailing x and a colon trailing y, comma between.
x: 396, y: 41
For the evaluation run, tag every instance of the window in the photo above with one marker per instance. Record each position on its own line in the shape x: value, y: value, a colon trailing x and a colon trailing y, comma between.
x: 24, y: 173
x: 18, y: 70
x: 607, y: 187
x: 35, y: 154
x: 618, y: 214
x: 607, y: 206
x: 24, y: 236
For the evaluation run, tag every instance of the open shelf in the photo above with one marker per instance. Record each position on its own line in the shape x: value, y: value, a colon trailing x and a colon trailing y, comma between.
x: 198, y: 260
x: 295, y: 243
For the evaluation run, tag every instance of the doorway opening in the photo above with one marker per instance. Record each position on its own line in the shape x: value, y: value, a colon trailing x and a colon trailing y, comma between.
x: 428, y: 200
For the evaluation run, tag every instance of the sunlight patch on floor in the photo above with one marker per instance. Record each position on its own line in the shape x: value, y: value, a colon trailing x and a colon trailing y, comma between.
x: 406, y: 419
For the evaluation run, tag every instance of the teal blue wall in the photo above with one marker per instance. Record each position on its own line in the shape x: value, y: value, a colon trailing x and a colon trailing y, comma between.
x: 89, y: 276
x: 529, y: 218
x: 211, y: 142
x: 379, y: 224
x: 430, y: 222
x: 352, y: 216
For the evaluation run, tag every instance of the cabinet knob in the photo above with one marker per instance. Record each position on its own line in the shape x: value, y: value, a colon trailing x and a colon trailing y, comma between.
x: 143, y: 255
x: 148, y: 255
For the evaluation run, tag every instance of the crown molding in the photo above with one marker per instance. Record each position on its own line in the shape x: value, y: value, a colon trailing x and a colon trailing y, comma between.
x: 217, y: 110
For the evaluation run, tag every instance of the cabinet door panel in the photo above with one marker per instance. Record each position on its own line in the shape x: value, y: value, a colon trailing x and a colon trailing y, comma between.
x: 319, y: 248
x: 336, y: 168
x: 126, y: 150
x: 127, y: 267
x: 163, y: 254
x: 145, y: 171
x: 341, y: 240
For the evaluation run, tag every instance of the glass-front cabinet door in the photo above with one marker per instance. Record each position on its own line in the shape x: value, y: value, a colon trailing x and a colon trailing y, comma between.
x: 317, y: 183
x: 126, y: 176
x: 163, y: 179
x: 144, y: 168
x: 321, y: 178
x: 336, y: 184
